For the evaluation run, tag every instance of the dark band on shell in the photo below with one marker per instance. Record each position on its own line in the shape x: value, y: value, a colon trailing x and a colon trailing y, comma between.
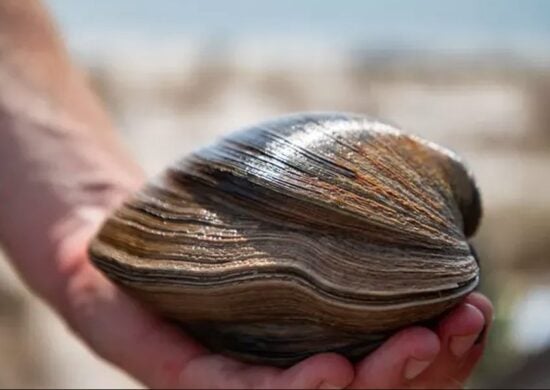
x: 311, y: 233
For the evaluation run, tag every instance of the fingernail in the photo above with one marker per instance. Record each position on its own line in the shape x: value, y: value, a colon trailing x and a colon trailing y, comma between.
x: 415, y: 367
x: 328, y: 386
x: 459, y: 345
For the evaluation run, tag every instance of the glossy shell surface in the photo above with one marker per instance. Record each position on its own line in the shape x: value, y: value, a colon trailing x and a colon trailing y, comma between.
x: 309, y: 233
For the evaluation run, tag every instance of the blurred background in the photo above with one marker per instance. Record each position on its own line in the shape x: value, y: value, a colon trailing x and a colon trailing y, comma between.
x: 471, y: 75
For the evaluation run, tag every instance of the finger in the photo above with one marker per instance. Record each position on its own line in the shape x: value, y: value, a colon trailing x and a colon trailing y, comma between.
x: 323, y: 371
x: 459, y: 330
x: 465, y: 370
x: 399, y: 360
x: 458, y: 333
x: 485, y: 306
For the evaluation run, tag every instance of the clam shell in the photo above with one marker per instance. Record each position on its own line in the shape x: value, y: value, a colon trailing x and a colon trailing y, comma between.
x: 309, y: 233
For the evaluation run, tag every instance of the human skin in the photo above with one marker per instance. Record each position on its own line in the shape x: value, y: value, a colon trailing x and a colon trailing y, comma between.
x: 63, y: 169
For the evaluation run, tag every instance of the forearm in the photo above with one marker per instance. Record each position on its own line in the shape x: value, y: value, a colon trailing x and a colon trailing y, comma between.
x: 61, y: 162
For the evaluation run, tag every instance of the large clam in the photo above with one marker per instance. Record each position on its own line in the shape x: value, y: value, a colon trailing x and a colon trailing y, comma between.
x: 310, y: 233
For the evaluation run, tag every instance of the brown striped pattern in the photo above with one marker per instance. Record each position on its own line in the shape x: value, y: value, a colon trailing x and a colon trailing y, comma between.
x: 310, y: 233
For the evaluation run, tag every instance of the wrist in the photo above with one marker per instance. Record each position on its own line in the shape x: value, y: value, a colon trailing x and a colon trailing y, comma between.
x: 58, y: 183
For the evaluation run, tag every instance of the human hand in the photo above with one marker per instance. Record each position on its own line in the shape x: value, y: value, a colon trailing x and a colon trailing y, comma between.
x: 417, y: 357
x: 160, y: 355
x: 65, y: 169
